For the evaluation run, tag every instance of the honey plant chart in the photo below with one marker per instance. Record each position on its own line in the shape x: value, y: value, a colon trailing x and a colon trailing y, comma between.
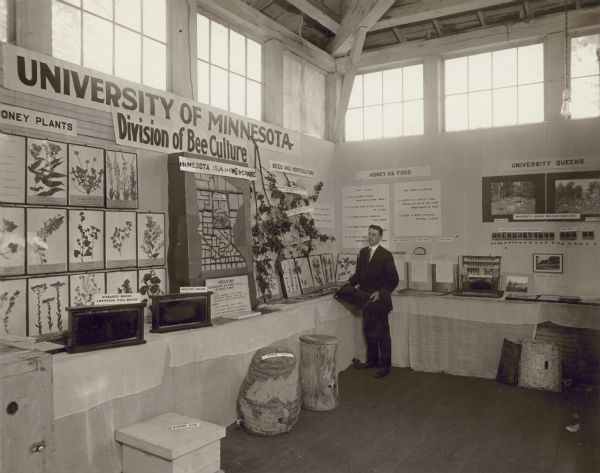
x: 222, y: 225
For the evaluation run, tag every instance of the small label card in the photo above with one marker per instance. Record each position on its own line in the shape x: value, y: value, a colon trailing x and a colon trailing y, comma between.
x: 108, y: 299
x: 188, y: 289
x: 185, y: 426
x: 276, y: 355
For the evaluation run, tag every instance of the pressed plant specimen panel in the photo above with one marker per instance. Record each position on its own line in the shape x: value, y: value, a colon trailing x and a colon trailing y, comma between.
x: 86, y: 240
x: 46, y: 172
x: 13, y: 307
x: 346, y: 266
x: 85, y: 286
x: 152, y: 282
x: 122, y: 282
x: 121, y: 180
x: 86, y: 176
x: 328, y: 268
x: 289, y: 275
x: 12, y: 168
x: 302, y: 268
x: 317, y: 270
x: 48, y: 297
x: 46, y: 240
x: 272, y: 290
x: 12, y: 241
x: 120, y: 239
x: 151, y: 239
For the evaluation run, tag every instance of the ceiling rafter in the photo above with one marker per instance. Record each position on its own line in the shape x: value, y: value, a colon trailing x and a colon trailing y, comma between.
x: 320, y: 13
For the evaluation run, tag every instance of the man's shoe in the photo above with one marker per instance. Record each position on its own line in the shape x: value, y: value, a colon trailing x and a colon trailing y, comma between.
x: 382, y: 372
x: 364, y: 366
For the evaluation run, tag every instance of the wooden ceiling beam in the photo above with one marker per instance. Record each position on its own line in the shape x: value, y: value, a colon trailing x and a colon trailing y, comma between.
x: 260, y: 5
x: 481, y: 17
x: 359, y: 14
x: 320, y: 14
x: 427, y: 10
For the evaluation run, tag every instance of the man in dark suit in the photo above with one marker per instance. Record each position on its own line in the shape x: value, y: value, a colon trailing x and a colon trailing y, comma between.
x: 376, y: 274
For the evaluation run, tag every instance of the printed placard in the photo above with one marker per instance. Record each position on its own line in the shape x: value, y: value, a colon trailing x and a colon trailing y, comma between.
x: 12, y: 169
x: 111, y: 299
x: 230, y: 295
x: 216, y: 168
x: 35, y: 120
x: 192, y: 289
x: 288, y: 168
x: 414, y: 171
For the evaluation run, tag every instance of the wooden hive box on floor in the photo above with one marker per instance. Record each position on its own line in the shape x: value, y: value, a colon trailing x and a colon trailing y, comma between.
x: 540, y: 366
x: 171, y: 443
x: 26, y: 418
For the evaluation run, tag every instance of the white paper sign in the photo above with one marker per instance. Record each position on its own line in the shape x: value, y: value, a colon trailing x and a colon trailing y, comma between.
x: 531, y: 165
x: 363, y: 206
x: 288, y: 168
x: 300, y: 210
x: 192, y: 289
x: 546, y: 216
x: 444, y: 271
x: 230, y: 295
x: 293, y: 190
x: 216, y: 168
x: 418, y: 208
x: 419, y: 271
x: 108, y: 299
x: 393, y: 173
x: 324, y: 215
x: 37, y: 120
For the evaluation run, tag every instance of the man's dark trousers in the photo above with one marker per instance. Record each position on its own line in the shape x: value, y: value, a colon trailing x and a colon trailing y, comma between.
x: 376, y: 329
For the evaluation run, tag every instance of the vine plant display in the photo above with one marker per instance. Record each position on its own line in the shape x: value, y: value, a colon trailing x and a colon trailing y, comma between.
x: 45, y: 168
x: 271, y: 224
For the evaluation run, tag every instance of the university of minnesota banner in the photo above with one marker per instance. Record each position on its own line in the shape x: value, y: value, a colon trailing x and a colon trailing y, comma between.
x: 143, y: 117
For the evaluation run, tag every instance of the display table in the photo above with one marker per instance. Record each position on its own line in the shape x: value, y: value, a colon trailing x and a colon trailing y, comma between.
x: 198, y: 372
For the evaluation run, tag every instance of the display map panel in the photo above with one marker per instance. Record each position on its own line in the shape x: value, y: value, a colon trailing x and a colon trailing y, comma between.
x: 222, y: 223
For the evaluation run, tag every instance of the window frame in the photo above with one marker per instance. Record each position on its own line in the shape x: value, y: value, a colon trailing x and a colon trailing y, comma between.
x: 248, y: 36
x: 578, y: 33
x: 382, y: 68
x: 114, y: 25
x: 492, y: 49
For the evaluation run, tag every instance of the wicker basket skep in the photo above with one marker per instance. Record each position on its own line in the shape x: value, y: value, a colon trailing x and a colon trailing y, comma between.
x: 270, y: 396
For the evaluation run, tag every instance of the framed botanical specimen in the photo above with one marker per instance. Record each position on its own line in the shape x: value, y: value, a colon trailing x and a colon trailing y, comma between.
x: 291, y: 284
x: 122, y: 282
x: 273, y: 290
x: 12, y: 169
x: 86, y: 240
x: 46, y: 172
x: 316, y: 268
x: 46, y: 240
x: 547, y: 263
x: 328, y: 268
x: 152, y: 282
x: 302, y: 268
x: 151, y: 239
x: 48, y: 297
x: 120, y: 237
x: 86, y: 176
x: 13, y: 307
x: 346, y: 266
x: 84, y: 286
x: 12, y: 241
x: 121, y: 180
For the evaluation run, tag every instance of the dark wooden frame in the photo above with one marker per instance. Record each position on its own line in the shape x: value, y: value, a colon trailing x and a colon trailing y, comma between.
x: 157, y: 301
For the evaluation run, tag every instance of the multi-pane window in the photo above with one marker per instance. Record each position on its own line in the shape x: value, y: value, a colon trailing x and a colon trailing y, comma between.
x: 229, y: 69
x: 385, y: 104
x: 585, y: 76
x: 493, y: 89
x: 125, y: 38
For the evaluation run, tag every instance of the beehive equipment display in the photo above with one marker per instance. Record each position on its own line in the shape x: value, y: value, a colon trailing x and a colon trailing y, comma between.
x: 270, y: 397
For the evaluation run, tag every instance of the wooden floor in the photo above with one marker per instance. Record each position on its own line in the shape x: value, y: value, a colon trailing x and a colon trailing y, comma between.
x: 424, y: 422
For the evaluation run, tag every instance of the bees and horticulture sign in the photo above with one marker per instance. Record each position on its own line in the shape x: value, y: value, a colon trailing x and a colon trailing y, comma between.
x: 143, y: 117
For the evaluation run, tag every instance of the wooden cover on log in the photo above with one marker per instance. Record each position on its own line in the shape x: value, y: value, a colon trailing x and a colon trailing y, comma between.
x: 318, y: 373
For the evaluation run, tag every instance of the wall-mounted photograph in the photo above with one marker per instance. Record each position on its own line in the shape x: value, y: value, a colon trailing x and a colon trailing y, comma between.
x: 574, y: 193
x: 46, y: 172
x: 547, y: 263
x: 48, y: 297
x: 12, y: 241
x: 86, y: 176
x: 46, y: 240
x: 503, y: 197
x: 121, y: 180
x: 13, y: 307
x: 120, y: 239
x: 151, y: 239
x: 514, y: 283
x: 86, y: 240
x: 122, y: 282
x: 12, y: 169
x: 84, y: 286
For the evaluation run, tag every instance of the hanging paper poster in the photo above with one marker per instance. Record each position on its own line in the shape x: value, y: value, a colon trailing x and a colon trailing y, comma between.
x: 364, y: 206
x: 12, y: 168
x: 418, y: 208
